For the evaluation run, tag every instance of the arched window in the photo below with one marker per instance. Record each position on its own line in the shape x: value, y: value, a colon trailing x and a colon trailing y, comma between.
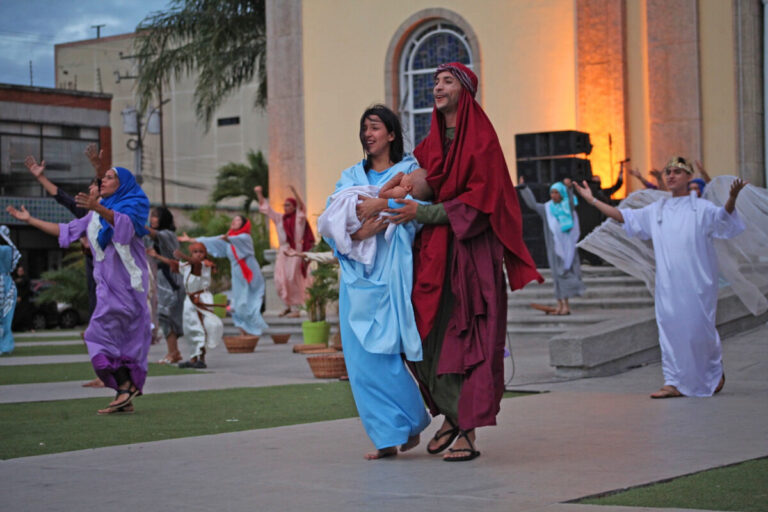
x: 432, y: 44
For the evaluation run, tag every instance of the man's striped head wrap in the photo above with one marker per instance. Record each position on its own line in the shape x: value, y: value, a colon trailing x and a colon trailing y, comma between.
x: 463, y: 74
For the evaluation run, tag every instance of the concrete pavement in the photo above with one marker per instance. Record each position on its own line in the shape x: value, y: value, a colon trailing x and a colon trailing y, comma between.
x: 580, y: 438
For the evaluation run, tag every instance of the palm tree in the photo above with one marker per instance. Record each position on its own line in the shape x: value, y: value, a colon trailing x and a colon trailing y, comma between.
x: 223, y: 41
x: 235, y: 180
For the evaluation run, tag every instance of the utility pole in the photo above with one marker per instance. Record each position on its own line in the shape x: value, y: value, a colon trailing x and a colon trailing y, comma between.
x: 31, y: 82
x: 162, y: 155
x: 98, y: 29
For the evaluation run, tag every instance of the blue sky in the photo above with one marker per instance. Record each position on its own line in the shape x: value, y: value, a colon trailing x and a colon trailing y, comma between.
x: 30, y: 28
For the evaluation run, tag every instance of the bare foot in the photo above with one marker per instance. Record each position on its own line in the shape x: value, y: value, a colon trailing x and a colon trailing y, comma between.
x: 381, y: 454
x: 667, y: 391
x: 95, y: 383
x: 412, y: 442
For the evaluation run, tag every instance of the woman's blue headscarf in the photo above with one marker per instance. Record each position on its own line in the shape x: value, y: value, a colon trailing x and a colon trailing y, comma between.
x: 129, y: 199
x: 562, y: 210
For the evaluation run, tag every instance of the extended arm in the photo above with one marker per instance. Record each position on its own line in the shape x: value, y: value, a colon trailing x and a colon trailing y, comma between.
x: 299, y: 202
x: 23, y: 215
x: 606, y: 209
x: 95, y: 156
x: 736, y: 187
x: 37, y: 170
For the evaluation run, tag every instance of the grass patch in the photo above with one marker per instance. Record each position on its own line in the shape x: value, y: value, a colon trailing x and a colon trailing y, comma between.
x: 61, y: 372
x: 63, y: 337
x: 36, y: 428
x: 49, y: 350
x: 740, y: 487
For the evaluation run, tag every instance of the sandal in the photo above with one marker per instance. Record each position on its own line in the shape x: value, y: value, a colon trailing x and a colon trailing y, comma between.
x: 471, y: 453
x: 667, y: 392
x: 131, y: 395
x: 451, y: 433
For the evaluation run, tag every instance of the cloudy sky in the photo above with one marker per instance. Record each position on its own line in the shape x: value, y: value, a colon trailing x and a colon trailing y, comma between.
x: 30, y: 28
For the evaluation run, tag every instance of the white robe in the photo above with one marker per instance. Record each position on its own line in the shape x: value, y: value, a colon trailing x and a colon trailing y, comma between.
x: 202, y: 328
x: 682, y: 230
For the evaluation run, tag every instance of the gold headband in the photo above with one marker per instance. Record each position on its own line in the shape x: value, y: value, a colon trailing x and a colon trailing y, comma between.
x: 676, y: 163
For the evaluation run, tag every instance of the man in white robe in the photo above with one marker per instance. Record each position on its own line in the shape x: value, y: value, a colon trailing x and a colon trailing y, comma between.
x: 682, y: 229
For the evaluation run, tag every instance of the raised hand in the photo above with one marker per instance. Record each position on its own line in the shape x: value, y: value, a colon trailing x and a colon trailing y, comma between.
x: 584, y: 191
x: 258, y: 190
x: 152, y: 253
x: 34, y: 168
x: 94, y: 155
x: 736, y: 187
x: 635, y: 173
x: 184, y: 237
x: 88, y: 201
x: 21, y: 214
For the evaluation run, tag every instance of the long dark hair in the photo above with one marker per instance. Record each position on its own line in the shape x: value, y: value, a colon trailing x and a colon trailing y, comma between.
x: 164, y: 218
x: 392, y: 123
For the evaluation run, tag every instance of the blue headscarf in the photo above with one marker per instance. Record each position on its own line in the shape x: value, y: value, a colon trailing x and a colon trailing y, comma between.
x: 562, y: 210
x: 129, y: 199
x: 701, y: 183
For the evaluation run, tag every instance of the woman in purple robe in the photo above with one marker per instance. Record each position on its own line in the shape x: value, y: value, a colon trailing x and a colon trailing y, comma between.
x: 119, y: 333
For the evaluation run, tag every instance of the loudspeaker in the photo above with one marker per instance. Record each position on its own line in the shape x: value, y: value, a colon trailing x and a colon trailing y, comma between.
x: 544, y: 144
x: 550, y: 170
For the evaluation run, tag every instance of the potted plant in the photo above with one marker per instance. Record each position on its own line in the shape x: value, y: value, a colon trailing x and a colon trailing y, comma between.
x: 323, y: 291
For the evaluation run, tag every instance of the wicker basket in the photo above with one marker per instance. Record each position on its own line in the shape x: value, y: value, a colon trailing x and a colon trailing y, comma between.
x: 240, y: 344
x: 280, y: 338
x: 329, y: 366
x: 306, y: 349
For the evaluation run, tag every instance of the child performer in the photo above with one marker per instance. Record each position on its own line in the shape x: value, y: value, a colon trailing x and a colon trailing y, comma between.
x: 202, y: 328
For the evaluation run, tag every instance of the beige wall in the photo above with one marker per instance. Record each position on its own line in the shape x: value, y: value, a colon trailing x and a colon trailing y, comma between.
x: 528, y: 72
x: 192, y: 155
x: 717, y: 84
x: 718, y: 87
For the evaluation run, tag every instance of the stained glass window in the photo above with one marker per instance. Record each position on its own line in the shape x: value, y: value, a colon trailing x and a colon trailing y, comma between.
x: 434, y: 43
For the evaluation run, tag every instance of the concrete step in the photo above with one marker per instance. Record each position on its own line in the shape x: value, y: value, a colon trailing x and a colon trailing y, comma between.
x: 577, y: 303
x: 606, y: 292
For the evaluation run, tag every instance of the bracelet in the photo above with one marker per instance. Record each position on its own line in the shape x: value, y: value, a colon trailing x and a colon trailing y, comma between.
x: 594, y: 200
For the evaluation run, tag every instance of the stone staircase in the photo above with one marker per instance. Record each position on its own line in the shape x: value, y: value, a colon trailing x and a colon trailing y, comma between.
x: 609, y: 294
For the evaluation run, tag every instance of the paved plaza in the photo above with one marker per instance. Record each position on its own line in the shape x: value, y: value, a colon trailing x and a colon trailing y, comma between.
x: 576, y: 438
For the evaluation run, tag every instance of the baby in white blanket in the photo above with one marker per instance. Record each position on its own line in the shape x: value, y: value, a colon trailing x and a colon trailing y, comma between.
x: 340, y: 217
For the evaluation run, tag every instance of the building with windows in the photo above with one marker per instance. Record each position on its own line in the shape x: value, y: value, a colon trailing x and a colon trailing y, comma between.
x: 192, y: 153
x: 647, y: 79
x: 54, y: 125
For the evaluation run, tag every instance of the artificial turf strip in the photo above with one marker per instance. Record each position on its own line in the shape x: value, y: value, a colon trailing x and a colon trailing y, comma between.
x: 740, y: 487
x: 36, y: 428
x: 60, y: 372
x: 68, y: 337
x: 49, y: 350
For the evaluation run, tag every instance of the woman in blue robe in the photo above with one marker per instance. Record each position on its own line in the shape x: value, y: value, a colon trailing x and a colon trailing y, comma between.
x: 9, y: 257
x: 376, y: 317
x: 247, y: 282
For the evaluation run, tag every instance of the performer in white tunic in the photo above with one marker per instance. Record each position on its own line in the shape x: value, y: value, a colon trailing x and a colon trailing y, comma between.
x: 682, y: 229
x: 203, y: 330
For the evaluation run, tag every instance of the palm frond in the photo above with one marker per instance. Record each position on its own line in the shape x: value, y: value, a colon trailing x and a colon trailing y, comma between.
x: 223, y: 41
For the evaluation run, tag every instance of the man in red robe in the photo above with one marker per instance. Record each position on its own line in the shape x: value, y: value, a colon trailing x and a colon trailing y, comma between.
x: 471, y: 232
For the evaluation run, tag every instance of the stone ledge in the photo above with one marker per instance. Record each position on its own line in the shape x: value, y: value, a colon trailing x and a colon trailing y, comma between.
x: 619, y: 344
